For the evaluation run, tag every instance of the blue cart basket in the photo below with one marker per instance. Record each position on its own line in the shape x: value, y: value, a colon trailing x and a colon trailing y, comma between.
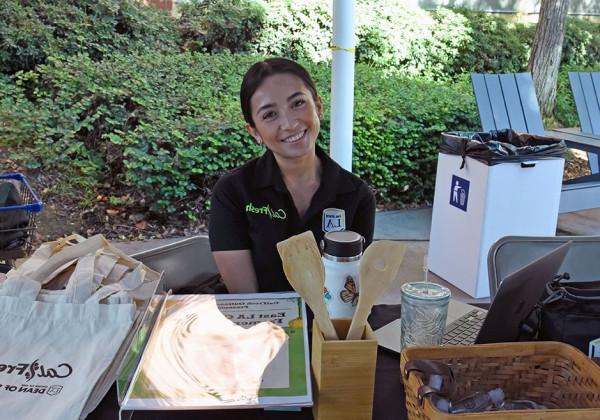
x: 16, y: 240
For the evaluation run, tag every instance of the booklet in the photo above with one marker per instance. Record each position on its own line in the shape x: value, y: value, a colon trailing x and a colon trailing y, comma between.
x: 221, y: 351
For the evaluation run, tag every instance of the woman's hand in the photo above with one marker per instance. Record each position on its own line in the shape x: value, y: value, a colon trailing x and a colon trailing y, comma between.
x: 237, y: 269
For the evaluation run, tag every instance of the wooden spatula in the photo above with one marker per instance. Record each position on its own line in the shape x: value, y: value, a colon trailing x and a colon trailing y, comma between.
x: 378, y: 268
x: 303, y: 268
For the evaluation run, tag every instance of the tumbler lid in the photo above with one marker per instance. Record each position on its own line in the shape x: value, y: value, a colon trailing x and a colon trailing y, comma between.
x: 343, y: 243
x: 425, y: 291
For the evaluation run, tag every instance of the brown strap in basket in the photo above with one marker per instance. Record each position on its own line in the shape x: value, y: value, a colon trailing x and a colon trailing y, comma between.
x: 425, y: 391
x: 426, y: 368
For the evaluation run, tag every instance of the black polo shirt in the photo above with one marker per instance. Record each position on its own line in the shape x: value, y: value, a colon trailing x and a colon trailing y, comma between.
x: 251, y: 208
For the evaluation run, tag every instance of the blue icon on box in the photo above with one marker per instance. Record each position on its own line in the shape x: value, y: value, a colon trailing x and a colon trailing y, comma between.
x: 459, y: 193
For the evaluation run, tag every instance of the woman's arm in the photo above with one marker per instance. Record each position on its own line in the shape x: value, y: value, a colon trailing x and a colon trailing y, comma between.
x: 230, y: 240
x: 237, y: 270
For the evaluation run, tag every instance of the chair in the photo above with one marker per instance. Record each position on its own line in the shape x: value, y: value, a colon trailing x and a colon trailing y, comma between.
x: 509, y: 101
x: 185, y: 262
x: 585, y: 88
x: 510, y: 253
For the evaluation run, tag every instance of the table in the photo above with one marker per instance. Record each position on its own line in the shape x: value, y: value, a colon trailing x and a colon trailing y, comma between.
x: 388, y: 401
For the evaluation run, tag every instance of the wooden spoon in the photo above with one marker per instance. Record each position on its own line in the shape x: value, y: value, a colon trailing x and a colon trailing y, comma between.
x: 303, y: 268
x: 378, y: 268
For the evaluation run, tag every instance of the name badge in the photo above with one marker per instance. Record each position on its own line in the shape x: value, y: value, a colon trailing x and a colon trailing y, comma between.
x: 334, y: 220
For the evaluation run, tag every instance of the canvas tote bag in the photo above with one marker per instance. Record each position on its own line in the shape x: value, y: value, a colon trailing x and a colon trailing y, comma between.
x: 56, y: 342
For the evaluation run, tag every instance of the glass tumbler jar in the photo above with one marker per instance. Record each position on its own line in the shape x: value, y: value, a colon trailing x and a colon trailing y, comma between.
x: 424, y: 308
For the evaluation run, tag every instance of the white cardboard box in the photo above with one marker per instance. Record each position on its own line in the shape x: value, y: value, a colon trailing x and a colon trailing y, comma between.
x: 475, y: 206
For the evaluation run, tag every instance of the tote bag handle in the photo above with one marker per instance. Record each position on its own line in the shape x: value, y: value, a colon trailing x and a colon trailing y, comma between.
x: 20, y: 283
x: 95, y: 260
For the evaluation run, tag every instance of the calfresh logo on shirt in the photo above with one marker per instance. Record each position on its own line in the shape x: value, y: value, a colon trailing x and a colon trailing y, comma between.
x: 267, y: 211
x: 334, y: 220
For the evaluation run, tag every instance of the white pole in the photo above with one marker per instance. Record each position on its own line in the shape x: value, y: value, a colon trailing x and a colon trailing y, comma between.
x: 342, y: 83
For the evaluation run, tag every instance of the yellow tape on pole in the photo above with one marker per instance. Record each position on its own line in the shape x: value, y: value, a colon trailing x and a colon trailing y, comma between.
x: 338, y: 48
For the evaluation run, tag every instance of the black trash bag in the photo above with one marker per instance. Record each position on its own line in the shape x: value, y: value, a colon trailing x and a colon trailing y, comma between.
x: 501, y: 146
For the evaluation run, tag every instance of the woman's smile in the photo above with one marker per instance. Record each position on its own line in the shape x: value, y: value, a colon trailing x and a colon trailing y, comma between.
x: 294, y: 138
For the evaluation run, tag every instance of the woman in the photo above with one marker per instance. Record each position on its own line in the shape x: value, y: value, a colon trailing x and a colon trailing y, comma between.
x: 293, y: 187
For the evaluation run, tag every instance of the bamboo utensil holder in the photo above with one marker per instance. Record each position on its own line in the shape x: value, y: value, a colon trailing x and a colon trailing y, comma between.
x: 545, y: 372
x: 344, y: 374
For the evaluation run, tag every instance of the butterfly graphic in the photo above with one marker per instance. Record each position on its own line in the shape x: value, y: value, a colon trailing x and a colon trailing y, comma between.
x: 349, y: 294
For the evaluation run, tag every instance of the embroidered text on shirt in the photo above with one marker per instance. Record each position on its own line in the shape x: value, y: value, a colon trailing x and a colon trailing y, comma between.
x: 266, y: 210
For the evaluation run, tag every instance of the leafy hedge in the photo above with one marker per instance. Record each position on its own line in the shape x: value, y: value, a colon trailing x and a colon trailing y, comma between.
x: 207, y: 25
x: 100, y: 91
x: 31, y: 31
x: 393, y: 36
x: 408, y: 40
x: 495, y: 45
x: 166, y: 125
x: 397, y: 124
x: 582, y: 43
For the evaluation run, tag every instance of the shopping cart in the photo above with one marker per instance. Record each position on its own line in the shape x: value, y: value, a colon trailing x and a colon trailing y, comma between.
x: 19, y: 206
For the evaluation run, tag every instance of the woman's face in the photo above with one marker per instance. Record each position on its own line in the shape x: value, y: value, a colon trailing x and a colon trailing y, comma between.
x: 286, y: 117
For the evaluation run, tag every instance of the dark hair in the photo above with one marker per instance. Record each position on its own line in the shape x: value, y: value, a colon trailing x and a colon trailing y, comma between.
x: 256, y: 75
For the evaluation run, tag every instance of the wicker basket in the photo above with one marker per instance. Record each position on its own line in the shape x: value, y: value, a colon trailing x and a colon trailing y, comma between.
x: 546, y: 372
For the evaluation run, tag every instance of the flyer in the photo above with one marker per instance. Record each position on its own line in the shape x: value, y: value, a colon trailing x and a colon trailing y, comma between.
x: 224, y: 351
